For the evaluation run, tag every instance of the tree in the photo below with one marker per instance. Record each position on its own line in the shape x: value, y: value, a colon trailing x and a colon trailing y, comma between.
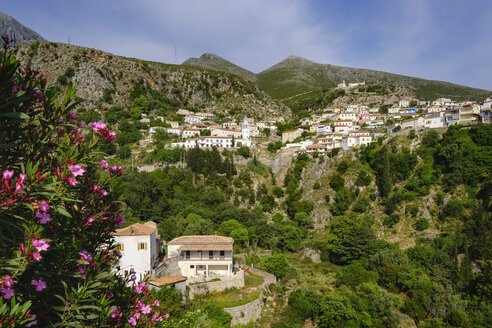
x: 124, y: 152
x: 244, y: 151
x: 276, y: 264
x: 383, y: 179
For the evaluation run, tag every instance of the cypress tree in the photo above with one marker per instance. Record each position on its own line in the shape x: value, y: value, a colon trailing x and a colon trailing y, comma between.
x: 384, y: 178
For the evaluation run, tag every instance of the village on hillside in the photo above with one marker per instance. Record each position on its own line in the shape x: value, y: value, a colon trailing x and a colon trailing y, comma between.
x: 320, y: 132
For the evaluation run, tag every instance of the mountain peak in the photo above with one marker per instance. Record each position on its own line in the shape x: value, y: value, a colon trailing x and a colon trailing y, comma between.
x: 15, y: 30
x: 212, y: 61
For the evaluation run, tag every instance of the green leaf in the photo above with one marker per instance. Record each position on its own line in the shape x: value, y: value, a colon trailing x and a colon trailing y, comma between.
x: 63, y: 211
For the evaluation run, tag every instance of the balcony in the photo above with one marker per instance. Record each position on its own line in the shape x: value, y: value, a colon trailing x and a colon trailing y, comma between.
x: 204, y: 258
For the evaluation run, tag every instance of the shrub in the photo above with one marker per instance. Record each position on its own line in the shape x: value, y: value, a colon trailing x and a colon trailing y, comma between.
x: 337, y: 182
x: 316, y: 185
x: 244, y: 151
x: 57, y: 213
x: 422, y: 224
x: 391, y: 220
x: 275, y: 264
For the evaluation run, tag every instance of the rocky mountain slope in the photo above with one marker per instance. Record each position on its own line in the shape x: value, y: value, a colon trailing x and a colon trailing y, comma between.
x: 103, y: 80
x: 215, y: 62
x: 303, y: 84
x: 15, y: 30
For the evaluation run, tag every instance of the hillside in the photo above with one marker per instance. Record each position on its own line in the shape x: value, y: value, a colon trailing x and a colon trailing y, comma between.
x: 296, y: 76
x: 303, y: 84
x: 15, y: 30
x: 103, y: 80
x: 215, y: 62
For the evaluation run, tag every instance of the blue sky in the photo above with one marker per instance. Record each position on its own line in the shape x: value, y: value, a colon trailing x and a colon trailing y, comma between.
x: 449, y: 40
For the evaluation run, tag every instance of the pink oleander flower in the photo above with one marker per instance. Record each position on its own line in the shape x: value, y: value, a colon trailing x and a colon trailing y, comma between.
x: 22, y: 178
x: 104, y: 164
x: 40, y: 284
x: 7, y: 175
x: 111, y: 136
x: 116, y: 312
x: 72, y: 115
x: 41, y: 245
x: 7, y: 292
x: 36, y: 256
x: 91, y: 219
x: 72, y: 181
x: 97, y: 126
x: 84, y: 255
x: 77, y: 170
x: 140, y: 287
x: 132, y: 321
x: 156, y: 303
x: 8, y: 282
x: 146, y: 309
x: 82, y: 125
x: 96, y: 187
x: 43, y: 217
x: 104, y: 192
x: 166, y: 316
x: 44, y: 207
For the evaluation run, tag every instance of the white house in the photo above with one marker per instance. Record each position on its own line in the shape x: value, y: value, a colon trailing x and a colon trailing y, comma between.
x: 172, y: 130
x: 187, y: 133
x: 394, y: 110
x: 193, y: 119
x: 221, y: 132
x: 357, y: 139
x: 434, y: 121
x: 344, y: 122
x: 203, y: 255
x: 343, y: 129
x: 413, y: 123
x: 351, y: 116
x: 323, y: 128
x: 139, y: 248
x: 404, y: 103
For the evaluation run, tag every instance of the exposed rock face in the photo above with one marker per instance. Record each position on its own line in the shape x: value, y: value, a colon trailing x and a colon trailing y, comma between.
x: 15, y: 30
x: 96, y: 71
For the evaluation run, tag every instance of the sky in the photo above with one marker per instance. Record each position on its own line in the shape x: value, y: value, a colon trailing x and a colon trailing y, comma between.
x: 447, y: 40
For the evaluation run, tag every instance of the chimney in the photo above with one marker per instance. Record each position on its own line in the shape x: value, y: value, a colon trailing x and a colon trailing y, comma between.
x: 131, y: 231
x: 215, y: 233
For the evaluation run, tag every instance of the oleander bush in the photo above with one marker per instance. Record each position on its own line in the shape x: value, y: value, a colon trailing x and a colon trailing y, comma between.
x: 57, y: 214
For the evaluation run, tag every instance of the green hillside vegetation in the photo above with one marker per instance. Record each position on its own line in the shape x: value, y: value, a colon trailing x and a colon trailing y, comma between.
x: 215, y: 62
x: 408, y: 237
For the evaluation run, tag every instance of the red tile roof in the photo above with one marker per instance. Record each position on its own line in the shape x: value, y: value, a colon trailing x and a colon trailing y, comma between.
x: 136, y: 229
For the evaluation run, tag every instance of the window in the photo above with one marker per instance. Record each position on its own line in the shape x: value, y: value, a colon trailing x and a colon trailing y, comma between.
x: 211, y: 255
x: 120, y: 247
x: 192, y: 266
x: 222, y: 253
x: 142, y: 246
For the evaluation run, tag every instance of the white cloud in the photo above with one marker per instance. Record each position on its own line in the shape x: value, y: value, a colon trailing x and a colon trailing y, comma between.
x: 254, y: 34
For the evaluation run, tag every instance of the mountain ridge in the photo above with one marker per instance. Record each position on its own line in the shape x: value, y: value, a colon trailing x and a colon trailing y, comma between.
x: 313, y: 83
x: 15, y: 30
x: 213, y: 61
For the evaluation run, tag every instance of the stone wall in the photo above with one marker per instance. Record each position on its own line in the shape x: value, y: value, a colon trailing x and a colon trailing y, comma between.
x: 251, y: 311
x: 235, y: 281
x: 268, y: 277
x: 245, y: 313
x: 168, y: 268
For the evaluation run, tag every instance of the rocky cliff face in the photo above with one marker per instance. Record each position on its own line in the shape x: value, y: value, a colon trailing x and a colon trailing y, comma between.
x: 15, y: 30
x: 103, y: 80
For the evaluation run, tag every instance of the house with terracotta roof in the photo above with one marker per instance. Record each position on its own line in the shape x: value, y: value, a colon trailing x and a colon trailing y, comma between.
x: 139, y: 248
x: 205, y: 256
x: 178, y: 282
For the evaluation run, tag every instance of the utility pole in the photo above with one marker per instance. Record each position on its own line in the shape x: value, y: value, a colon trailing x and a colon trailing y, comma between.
x: 175, y: 55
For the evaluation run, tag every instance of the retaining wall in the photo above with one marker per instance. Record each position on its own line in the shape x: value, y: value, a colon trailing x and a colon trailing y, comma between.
x: 251, y: 311
x: 235, y: 281
x: 245, y: 313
